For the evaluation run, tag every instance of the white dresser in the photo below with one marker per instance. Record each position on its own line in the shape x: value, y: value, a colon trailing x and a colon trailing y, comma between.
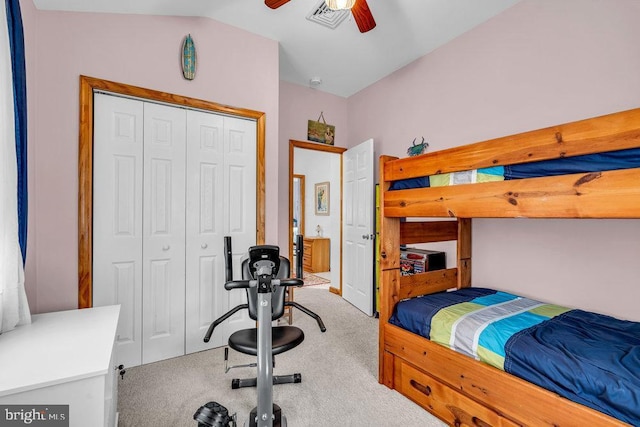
x: 64, y: 358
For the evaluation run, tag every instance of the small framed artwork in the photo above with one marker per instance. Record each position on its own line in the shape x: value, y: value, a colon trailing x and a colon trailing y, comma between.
x: 322, y: 198
x: 320, y: 131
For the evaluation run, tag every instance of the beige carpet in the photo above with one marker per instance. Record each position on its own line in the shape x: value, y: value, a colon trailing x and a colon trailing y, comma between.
x: 339, y: 378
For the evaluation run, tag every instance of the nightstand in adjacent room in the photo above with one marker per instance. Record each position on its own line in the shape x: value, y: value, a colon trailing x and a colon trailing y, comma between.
x: 316, y: 256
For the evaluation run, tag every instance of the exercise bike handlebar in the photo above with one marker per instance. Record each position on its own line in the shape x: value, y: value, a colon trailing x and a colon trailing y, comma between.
x: 221, y: 319
x: 291, y: 282
x: 237, y: 284
x: 308, y: 312
x: 245, y: 284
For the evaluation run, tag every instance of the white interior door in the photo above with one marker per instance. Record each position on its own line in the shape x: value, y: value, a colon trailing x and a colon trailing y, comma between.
x: 117, y: 222
x: 358, y: 227
x: 163, y: 272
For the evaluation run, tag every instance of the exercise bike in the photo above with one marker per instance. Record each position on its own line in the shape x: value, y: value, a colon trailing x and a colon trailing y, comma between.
x: 265, y: 279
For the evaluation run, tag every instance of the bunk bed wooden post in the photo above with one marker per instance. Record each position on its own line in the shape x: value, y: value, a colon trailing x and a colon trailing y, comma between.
x: 464, y: 253
x: 390, y: 275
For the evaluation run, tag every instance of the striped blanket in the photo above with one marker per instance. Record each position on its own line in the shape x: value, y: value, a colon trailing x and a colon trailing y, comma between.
x: 589, y: 358
x: 480, y: 328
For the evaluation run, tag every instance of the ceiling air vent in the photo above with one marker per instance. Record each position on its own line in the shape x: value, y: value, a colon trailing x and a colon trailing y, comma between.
x: 322, y: 15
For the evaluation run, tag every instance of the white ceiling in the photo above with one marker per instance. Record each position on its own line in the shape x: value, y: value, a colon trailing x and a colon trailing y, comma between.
x: 346, y: 60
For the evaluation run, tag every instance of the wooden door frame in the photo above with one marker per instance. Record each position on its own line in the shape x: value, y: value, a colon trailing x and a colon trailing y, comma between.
x: 302, y: 179
x: 85, y: 165
x: 293, y: 144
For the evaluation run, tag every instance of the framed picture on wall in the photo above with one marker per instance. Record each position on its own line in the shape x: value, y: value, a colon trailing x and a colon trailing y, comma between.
x: 322, y: 198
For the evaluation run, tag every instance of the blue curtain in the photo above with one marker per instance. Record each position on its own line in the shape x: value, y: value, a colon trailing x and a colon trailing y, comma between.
x: 16, y: 40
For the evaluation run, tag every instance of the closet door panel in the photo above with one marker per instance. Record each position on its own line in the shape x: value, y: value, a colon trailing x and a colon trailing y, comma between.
x: 163, y: 290
x: 240, y: 206
x: 205, y: 229
x: 240, y: 180
x: 117, y: 223
x: 237, y: 208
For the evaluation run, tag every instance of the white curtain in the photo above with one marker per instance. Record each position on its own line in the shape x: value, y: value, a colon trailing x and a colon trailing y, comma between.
x: 14, y: 308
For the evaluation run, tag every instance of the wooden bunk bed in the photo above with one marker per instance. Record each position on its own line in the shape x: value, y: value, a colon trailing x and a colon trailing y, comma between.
x: 455, y: 387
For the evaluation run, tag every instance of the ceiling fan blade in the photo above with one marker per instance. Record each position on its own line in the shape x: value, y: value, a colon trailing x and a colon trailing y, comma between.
x: 274, y: 4
x: 363, y: 16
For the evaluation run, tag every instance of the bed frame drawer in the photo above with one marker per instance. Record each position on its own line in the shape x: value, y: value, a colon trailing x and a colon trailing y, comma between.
x: 443, y: 401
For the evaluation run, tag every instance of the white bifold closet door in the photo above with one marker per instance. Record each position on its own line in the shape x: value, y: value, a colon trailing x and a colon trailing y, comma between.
x: 117, y: 218
x: 169, y: 184
x: 221, y: 201
x: 163, y: 232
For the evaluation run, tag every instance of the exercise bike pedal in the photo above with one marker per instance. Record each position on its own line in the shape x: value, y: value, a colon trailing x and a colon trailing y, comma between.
x: 227, y: 368
x: 278, y: 419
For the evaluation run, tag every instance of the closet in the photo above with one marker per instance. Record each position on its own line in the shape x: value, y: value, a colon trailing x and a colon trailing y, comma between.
x: 168, y: 184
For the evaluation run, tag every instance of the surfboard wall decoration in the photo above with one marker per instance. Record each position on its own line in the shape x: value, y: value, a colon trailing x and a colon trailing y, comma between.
x: 188, y: 58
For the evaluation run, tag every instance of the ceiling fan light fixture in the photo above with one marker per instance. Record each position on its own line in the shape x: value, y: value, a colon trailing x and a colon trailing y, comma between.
x: 340, y: 4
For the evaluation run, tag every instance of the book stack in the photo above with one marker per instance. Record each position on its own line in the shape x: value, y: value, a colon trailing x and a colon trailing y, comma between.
x: 415, y: 261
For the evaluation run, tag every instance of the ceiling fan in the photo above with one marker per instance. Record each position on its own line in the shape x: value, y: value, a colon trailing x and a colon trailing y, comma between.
x: 360, y: 11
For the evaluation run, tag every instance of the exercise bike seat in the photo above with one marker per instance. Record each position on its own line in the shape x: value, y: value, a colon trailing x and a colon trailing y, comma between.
x: 283, y: 338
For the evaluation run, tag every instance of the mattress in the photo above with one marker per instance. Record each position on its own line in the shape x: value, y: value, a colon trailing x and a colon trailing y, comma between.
x: 612, y: 160
x: 586, y: 357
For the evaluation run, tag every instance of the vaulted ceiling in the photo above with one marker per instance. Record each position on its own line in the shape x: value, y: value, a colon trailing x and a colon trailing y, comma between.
x: 344, y: 59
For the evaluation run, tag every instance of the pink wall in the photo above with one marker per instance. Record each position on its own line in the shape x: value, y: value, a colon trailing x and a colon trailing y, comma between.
x: 234, y: 68
x: 298, y: 104
x: 540, y: 63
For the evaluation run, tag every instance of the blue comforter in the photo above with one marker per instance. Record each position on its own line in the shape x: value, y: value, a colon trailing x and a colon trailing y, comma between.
x: 588, y: 358
x: 611, y: 160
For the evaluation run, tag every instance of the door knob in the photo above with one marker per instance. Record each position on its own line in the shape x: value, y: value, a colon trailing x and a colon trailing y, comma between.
x: 204, y: 246
x: 365, y: 236
x: 166, y: 247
